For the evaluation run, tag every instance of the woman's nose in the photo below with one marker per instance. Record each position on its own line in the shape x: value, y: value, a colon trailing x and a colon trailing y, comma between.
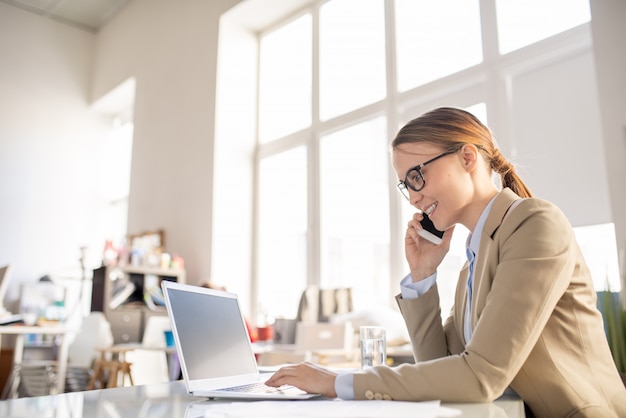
x: 415, y: 197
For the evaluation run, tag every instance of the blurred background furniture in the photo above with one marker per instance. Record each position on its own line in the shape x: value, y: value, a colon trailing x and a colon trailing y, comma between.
x: 107, y: 369
x: 5, y: 275
x: 318, y: 305
x: 326, y: 343
x: 40, y: 377
x: 129, y: 296
x: 40, y: 354
x: 94, y: 333
x: 319, y: 342
x: 326, y: 331
x: 44, y: 376
x: 151, y: 361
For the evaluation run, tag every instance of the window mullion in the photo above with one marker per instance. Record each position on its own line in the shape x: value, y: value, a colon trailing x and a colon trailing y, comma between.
x: 489, y: 28
x: 496, y: 89
x: 254, y: 251
x: 314, y: 231
x: 391, y: 109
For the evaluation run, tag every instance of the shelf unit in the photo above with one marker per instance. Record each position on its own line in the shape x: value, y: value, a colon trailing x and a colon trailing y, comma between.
x: 129, y: 317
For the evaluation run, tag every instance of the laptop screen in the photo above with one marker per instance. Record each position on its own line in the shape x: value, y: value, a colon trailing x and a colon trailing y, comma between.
x: 212, y: 334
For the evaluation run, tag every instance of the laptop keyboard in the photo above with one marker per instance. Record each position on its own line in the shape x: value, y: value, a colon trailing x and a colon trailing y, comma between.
x: 258, y: 387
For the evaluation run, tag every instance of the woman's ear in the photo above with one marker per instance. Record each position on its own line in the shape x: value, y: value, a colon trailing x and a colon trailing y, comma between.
x: 469, y: 155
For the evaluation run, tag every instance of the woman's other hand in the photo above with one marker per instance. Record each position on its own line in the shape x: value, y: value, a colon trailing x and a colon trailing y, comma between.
x: 307, y: 377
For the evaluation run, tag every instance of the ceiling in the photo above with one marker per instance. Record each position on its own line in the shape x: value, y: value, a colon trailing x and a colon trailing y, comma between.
x: 89, y: 15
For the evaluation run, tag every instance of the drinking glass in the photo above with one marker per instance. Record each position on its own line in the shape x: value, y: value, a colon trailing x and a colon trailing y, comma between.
x: 373, y: 346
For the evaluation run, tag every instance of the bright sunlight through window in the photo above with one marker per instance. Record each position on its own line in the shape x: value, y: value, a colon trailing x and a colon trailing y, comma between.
x: 282, y: 224
x: 352, y: 62
x: 285, y: 82
x: 354, y: 195
x: 436, y: 39
x: 523, y: 22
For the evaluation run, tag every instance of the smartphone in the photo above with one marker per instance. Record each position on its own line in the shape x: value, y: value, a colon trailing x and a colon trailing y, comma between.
x: 429, y: 232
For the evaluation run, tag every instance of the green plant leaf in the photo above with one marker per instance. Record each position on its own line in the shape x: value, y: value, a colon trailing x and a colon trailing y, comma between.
x: 615, y: 321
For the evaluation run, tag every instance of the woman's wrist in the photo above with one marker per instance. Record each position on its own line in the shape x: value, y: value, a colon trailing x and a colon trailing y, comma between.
x: 420, y: 274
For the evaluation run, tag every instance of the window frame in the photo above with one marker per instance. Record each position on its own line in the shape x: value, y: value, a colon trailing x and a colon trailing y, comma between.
x: 488, y: 82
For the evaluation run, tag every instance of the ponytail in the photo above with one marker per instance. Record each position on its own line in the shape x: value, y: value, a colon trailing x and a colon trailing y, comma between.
x: 508, y: 176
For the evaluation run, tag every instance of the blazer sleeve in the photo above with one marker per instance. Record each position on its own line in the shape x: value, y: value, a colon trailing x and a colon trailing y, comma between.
x: 429, y: 339
x: 530, y: 267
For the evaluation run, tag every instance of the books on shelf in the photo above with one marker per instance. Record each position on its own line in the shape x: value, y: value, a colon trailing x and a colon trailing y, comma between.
x: 121, y: 294
x: 135, y: 290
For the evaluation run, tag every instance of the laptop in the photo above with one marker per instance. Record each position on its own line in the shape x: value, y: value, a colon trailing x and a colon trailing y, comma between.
x: 213, y: 346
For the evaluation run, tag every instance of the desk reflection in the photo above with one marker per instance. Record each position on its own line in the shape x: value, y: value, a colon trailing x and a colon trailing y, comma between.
x: 170, y: 399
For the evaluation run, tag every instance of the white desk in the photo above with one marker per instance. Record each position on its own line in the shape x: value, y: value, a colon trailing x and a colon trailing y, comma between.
x: 171, y: 400
x: 62, y: 354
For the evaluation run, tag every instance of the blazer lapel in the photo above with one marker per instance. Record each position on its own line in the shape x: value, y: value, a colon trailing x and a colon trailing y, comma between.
x: 482, y: 283
x: 500, y: 207
x: 461, y: 300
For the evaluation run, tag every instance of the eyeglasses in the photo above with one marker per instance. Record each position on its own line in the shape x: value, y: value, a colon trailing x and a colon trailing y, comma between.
x: 414, y: 179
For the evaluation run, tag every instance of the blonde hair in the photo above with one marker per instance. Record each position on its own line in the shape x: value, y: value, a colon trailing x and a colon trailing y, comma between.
x: 451, y: 128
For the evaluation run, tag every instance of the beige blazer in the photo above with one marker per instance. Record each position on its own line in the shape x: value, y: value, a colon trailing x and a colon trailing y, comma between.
x: 535, y: 326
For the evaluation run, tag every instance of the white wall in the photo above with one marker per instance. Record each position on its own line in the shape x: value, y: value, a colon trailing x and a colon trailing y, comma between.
x: 609, y: 33
x: 170, y: 48
x: 49, y: 146
x: 557, y: 136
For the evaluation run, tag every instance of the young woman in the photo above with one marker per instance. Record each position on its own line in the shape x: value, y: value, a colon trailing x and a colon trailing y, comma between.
x: 524, y: 316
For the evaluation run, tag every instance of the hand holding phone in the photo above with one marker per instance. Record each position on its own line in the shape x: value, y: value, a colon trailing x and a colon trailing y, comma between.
x: 429, y: 231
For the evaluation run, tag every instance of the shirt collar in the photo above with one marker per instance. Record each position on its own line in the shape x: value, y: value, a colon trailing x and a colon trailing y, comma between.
x: 473, y: 239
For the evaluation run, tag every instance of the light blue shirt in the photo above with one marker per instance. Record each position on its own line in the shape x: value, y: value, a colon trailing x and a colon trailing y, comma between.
x: 344, y: 384
x: 473, y: 243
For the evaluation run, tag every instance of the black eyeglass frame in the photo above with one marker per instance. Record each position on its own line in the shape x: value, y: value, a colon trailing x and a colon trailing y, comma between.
x: 403, y: 186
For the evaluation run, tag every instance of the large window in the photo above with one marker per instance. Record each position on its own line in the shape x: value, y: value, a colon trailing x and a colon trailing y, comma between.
x: 337, y: 79
x: 285, y: 89
x: 436, y: 39
x: 354, y: 210
x: 351, y: 62
x: 523, y: 22
x: 282, y: 226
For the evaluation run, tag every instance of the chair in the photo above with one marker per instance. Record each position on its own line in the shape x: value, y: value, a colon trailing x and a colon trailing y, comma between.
x: 139, y: 364
x: 318, y: 305
x: 149, y: 360
x: 154, y: 334
x: 107, y: 368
